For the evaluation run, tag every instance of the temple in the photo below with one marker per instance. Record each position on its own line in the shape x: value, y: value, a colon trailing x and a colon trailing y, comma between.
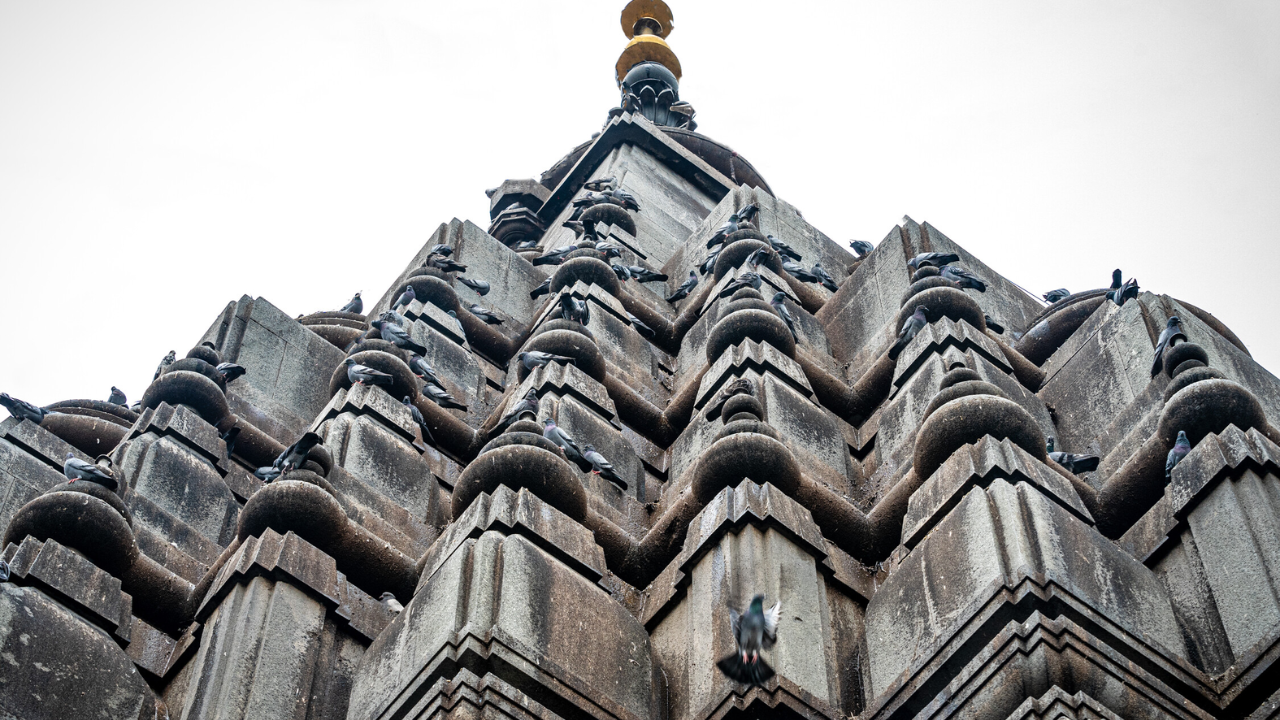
x: 542, y: 484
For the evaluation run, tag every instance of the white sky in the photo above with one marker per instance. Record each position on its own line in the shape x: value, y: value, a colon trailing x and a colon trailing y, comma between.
x: 159, y: 159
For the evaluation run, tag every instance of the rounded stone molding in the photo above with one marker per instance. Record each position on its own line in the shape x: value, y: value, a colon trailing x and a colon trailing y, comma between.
x: 118, y: 414
x: 757, y: 325
x: 1183, y: 352
x: 295, y: 505
x: 1209, y: 406
x: 920, y: 285
x: 198, y: 365
x: 949, y: 302
x: 958, y: 375
x: 744, y: 299
x: 606, y: 214
x: 404, y: 382
x: 926, y: 271
x: 568, y: 343
x: 1191, y: 375
x: 193, y: 389
x: 587, y: 269
x: 735, y: 252
x: 743, y: 454
x: 92, y: 489
x: 335, y: 317
x: 743, y: 404
x: 522, y: 460
x: 523, y: 426
x: 964, y: 388
x: 338, y: 336
x: 562, y: 324
x: 90, y: 435
x: 81, y: 521
x: 1057, y: 323
x: 968, y: 419
x: 377, y: 344
x: 431, y: 288
x: 208, y: 355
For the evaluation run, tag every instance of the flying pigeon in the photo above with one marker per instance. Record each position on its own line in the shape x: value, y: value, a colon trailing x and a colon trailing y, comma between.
x: 602, y: 467
x: 748, y: 212
x: 1168, y: 338
x: 296, y: 454
x: 566, y: 443
x: 993, y: 326
x: 365, y: 375
x: 443, y: 263
x: 457, y: 324
x: 573, y: 309
x: 682, y: 292
x: 861, y: 247
x: 963, y: 278
x: 745, y: 280
x: 77, y: 469
x: 932, y: 258
x: 645, y: 275
x: 230, y: 371
x: 780, y: 306
x: 442, y: 397
x: 1056, y: 296
x: 22, y: 409
x: 229, y: 439
x: 527, y: 405
x: 421, y: 422
x: 1075, y: 464
x: 543, y: 289
x: 709, y: 263
x: 600, y: 183
x: 1179, y: 451
x: 423, y: 370
x: 909, y: 329
x: 485, y: 314
x: 406, y: 297
x: 355, y: 306
x: 398, y: 336
x: 741, y: 386
x: 644, y: 330
x: 753, y: 631
x: 782, y: 248
x: 390, y: 602
x: 117, y: 397
x: 166, y: 362
x: 622, y: 271
x: 728, y: 228
x: 554, y: 257
x: 535, y: 359
x: 827, y: 281
x: 480, y: 286
x: 267, y: 474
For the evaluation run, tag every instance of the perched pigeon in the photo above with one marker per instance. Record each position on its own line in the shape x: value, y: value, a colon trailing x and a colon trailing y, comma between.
x: 799, y: 272
x: 535, y: 359
x: 932, y: 258
x: 575, y: 226
x: 861, y: 247
x: 398, y: 336
x: 744, y: 280
x: 589, y: 199
x: 22, y: 409
x: 609, y: 250
x: 1128, y: 290
x: 296, y: 454
x: 267, y: 474
x: 600, y: 183
x: 365, y: 375
x: 623, y: 198
x: 602, y: 467
x: 782, y: 248
x: 993, y: 326
x: 457, y: 324
x: 753, y: 631
x: 440, y: 249
x: 1172, y: 333
x: 443, y: 263
x: 166, y: 362
x: 1075, y: 464
x: 527, y: 405
x: 532, y: 243
x: 390, y: 602
x: 741, y: 386
x: 4, y: 571
x: 485, y: 314
x: 780, y: 306
x: 229, y: 439
x: 394, y: 318
x: 963, y: 278
x: 645, y: 275
x: 423, y: 370
x: 77, y: 469
x: 748, y: 212
x: 355, y: 306
x: 1179, y: 451
x: 442, y: 397
x: 1057, y: 296
x: 117, y: 397
x: 709, y: 263
x: 230, y: 371
x: 554, y: 257
x: 759, y: 255
x: 644, y: 330
x: 421, y: 422
x: 406, y: 297
x: 728, y: 228
x: 909, y: 329
x: 573, y: 309
x: 622, y: 271
x: 827, y: 281
x: 682, y: 292
x: 480, y: 286
x: 543, y: 289
x: 566, y: 443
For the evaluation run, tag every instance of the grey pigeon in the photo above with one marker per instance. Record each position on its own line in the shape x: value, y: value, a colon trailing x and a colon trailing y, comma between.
x: 963, y: 278
x: 117, y: 397
x: 355, y: 306
x: 442, y: 397
x: 759, y: 256
x: 683, y: 291
x: 443, y: 263
x: 753, y: 631
x: 623, y: 198
x: 364, y: 375
x: 1168, y: 338
x: 602, y: 467
x: 588, y: 199
x: 741, y: 386
x: 1057, y: 296
x: 600, y: 183
x: 267, y: 474
x: 910, y: 327
x: 1122, y: 291
x: 861, y: 247
x: 645, y: 275
x: 782, y: 248
x: 296, y: 454
x: 728, y: 228
x: 1179, y: 451
x: 575, y: 226
x: 780, y: 306
x: 480, y: 286
x: 527, y: 405
x: 398, y: 336
x: 420, y: 421
x: 230, y: 371
x: 22, y: 409
x: 4, y: 571
x: 77, y: 469
x: 827, y: 281
x: 609, y: 250
x: 744, y: 280
x: 543, y: 289
x: 532, y: 243
x: 748, y: 212
x: 457, y: 324
x: 932, y: 258
x: 423, y: 370
x: 566, y: 443
x: 1075, y: 464
x: 993, y: 326
x: 644, y: 330
x: 709, y: 263
x: 554, y: 257
x: 573, y: 309
x: 535, y: 359
x: 406, y: 297
x: 164, y: 363
x: 390, y: 602
x: 395, y: 318
x: 622, y: 271
x: 229, y: 439
x: 485, y: 314
x: 440, y: 249
x: 799, y: 272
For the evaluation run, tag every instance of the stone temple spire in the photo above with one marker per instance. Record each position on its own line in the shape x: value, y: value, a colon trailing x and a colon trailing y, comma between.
x: 648, y: 70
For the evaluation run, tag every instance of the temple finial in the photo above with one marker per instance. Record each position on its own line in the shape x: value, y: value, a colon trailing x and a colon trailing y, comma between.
x: 648, y: 70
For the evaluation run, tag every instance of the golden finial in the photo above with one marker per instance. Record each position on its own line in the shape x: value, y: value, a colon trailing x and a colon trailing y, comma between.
x: 646, y: 24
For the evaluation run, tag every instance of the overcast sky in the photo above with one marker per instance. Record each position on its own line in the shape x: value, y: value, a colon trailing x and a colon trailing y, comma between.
x: 159, y: 159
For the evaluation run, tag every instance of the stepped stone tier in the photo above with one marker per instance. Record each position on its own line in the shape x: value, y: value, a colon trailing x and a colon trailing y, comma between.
x: 931, y: 559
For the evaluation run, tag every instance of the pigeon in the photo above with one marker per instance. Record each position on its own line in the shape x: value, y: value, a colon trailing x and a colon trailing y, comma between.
x: 419, y: 366
x: 1179, y: 451
x: 575, y: 226
x: 1168, y: 338
x: 565, y: 443
x: 365, y: 375
x: 682, y: 292
x: 744, y: 280
x: 267, y: 474
x: 485, y: 314
x: 406, y: 297
x: 709, y: 263
x: 728, y: 228
x: 645, y: 275
x: 753, y: 631
x: 355, y: 306
x: 398, y: 336
x: 4, y: 571
x: 909, y: 329
x: 443, y: 263
x: 22, y: 409
x: 1056, y: 296
x: 554, y: 257
x: 799, y: 272
x: 229, y: 439
x: 758, y: 256
x: 166, y: 362
x: 457, y: 324
x: 932, y: 258
x: 543, y: 289
x: 296, y: 454
x: 780, y: 306
x: 600, y: 183
x: 230, y: 371
x: 532, y: 243
x: 535, y: 359
x: 861, y: 247
x: 644, y: 330
x: 963, y: 278
x: 782, y: 248
x: 609, y: 250
x: 574, y: 309
x: 588, y: 199
x: 622, y: 271
x: 748, y: 212
x: 394, y: 318
x: 421, y: 422
x: 117, y: 397
x: 1128, y: 290
x: 741, y: 386
x: 827, y: 281
x: 390, y: 602
x: 993, y: 326
x: 480, y: 286
x: 527, y: 405
x: 602, y: 467
x: 622, y: 197
x: 440, y: 249
x: 77, y: 469
x: 442, y: 397
x: 1075, y: 464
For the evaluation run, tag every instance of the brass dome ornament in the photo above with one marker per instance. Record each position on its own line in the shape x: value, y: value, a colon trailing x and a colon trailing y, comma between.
x: 647, y: 17
x: 648, y: 71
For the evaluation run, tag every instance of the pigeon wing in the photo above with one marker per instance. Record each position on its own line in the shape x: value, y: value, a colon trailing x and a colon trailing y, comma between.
x: 771, y: 618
